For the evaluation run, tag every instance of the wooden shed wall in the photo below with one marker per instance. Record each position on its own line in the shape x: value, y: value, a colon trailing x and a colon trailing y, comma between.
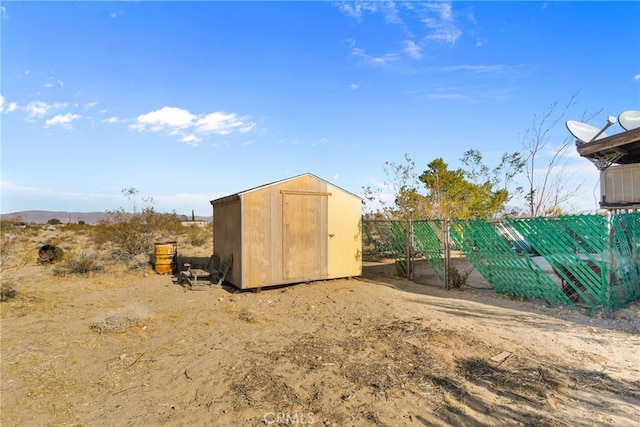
x: 283, y: 224
x: 228, y: 236
x: 345, y: 224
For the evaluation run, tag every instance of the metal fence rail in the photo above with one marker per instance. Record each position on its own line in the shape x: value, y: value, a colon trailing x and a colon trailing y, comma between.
x: 591, y: 260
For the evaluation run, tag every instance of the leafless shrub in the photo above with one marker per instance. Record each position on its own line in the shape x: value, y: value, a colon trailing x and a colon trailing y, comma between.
x: 119, y: 321
x: 457, y: 278
x: 139, y: 262
x: 82, y: 262
x: 15, y: 254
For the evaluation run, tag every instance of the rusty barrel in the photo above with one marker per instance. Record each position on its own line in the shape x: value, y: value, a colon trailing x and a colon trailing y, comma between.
x: 166, y: 255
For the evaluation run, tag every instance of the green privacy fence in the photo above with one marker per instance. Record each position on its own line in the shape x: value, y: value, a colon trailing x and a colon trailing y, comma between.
x: 428, y: 237
x: 590, y: 260
x: 391, y: 239
x: 491, y: 251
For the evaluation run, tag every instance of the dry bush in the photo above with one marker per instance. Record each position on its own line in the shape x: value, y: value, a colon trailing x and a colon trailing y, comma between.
x: 458, y: 278
x: 198, y: 236
x: 139, y: 262
x: 15, y: 254
x: 7, y: 291
x: 119, y: 321
x: 79, y: 228
x: 81, y: 262
x: 134, y: 234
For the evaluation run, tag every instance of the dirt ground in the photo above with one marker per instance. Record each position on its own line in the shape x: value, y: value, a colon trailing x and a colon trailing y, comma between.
x: 370, y: 351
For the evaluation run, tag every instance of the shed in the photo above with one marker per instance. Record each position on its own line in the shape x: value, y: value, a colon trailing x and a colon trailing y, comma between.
x: 296, y: 230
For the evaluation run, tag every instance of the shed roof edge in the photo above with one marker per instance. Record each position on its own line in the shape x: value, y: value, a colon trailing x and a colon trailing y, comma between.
x: 241, y: 193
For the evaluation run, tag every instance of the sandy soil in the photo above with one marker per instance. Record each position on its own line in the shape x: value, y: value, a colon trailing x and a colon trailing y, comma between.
x: 371, y: 351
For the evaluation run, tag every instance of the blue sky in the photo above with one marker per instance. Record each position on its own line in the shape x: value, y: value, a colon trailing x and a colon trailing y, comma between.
x: 188, y: 102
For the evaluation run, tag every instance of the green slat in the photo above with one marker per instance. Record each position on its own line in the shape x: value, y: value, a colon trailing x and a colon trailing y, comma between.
x: 428, y: 242
x: 575, y: 246
x: 556, y: 242
x: 625, y: 268
x: 506, y: 272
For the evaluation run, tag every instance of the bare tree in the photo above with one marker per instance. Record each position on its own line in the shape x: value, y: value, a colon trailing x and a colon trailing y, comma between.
x: 402, y: 179
x: 547, y: 180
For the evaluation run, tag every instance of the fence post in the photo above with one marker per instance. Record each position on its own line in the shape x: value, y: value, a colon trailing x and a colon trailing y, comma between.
x: 409, y: 249
x: 446, y: 257
x: 610, y: 266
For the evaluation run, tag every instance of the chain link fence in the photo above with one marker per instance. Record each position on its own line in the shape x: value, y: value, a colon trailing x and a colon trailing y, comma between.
x: 587, y: 260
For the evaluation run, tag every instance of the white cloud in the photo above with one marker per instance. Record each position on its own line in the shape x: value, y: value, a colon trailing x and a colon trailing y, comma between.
x: 3, y: 12
x: 222, y: 123
x: 190, y: 139
x: 166, y: 118
x: 636, y: 77
x: 336, y: 176
x: 412, y: 49
x: 112, y: 119
x: 12, y: 107
x: 448, y: 34
x: 180, y: 122
x: 246, y: 143
x: 375, y: 60
x: 430, y: 22
x: 354, y: 86
x: 37, y: 109
x: 63, y: 120
x: 1, y: 103
x: 440, y: 19
x: 356, y: 9
x: 90, y: 104
x: 48, y: 85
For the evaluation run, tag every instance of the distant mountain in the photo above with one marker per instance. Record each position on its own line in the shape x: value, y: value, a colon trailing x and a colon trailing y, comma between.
x: 42, y: 217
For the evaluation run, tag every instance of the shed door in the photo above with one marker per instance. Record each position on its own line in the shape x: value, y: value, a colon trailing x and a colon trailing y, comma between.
x: 304, y: 235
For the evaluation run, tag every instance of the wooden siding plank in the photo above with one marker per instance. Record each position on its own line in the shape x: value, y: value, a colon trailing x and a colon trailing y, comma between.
x: 303, y: 234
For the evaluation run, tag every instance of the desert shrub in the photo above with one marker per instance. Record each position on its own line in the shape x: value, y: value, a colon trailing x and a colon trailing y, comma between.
x: 120, y: 320
x: 458, y: 279
x: 15, y: 254
x: 82, y: 262
x: 7, y: 291
x: 198, y: 236
x: 133, y: 234
x: 81, y: 227
x: 139, y: 262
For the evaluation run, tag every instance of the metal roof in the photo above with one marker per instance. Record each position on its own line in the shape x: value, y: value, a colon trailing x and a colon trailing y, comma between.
x: 622, y: 148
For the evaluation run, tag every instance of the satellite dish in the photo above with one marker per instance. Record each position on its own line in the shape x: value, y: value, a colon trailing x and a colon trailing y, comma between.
x: 629, y: 120
x: 583, y: 132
